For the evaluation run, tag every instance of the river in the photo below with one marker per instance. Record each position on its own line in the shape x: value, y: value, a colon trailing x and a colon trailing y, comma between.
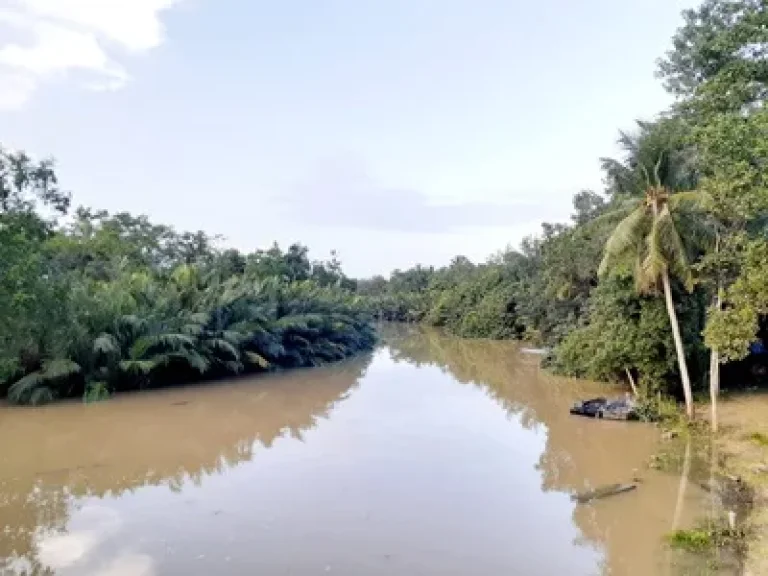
x: 430, y: 456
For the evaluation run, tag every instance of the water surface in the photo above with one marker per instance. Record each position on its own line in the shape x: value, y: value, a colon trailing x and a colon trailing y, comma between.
x: 432, y: 456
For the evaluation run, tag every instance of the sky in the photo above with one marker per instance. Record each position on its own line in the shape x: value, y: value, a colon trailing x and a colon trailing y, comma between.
x: 393, y: 131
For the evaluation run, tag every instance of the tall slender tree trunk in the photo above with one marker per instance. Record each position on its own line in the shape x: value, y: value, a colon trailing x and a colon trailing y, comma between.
x: 631, y: 381
x: 714, y: 384
x: 678, y: 345
x: 714, y: 373
x: 714, y: 356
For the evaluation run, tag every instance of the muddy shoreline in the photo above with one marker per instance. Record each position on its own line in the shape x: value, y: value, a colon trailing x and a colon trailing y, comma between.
x: 742, y: 443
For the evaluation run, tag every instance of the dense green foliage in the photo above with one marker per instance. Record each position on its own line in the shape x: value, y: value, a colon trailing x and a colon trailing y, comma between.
x: 101, y: 303
x: 687, y: 205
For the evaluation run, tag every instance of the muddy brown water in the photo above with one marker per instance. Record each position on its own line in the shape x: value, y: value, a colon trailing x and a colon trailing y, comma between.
x: 431, y: 456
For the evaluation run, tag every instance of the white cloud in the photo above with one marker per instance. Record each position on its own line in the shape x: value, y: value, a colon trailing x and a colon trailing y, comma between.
x: 62, y: 550
x: 70, y: 549
x: 57, y: 37
x: 15, y: 90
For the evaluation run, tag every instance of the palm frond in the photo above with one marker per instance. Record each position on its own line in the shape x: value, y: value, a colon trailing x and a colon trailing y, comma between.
x: 257, y: 360
x: 106, y: 344
x: 59, y: 368
x: 677, y: 260
x: 142, y: 367
x: 165, y: 341
x: 202, y: 318
x: 693, y: 198
x: 221, y: 345
x: 234, y: 337
x: 619, y: 212
x: 130, y: 325
x: 624, y: 238
x: 654, y: 264
x: 21, y: 391
x: 96, y: 391
x: 35, y: 388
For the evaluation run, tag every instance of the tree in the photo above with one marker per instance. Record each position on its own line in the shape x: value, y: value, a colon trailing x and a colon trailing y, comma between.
x: 588, y: 205
x: 24, y: 183
x: 718, y: 58
x: 649, y: 235
x: 718, y: 68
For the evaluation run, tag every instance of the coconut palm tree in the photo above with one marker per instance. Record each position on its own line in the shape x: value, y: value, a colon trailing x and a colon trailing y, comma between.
x: 649, y: 235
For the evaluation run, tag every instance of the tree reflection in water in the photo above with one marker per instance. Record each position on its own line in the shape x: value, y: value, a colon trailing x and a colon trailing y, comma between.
x: 580, y: 453
x: 63, y: 453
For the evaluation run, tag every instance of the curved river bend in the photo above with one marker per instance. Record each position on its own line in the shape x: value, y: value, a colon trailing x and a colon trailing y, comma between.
x: 432, y: 456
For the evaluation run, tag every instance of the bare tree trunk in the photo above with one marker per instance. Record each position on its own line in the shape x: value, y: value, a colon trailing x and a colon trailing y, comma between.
x: 714, y: 356
x: 714, y: 384
x: 631, y: 381
x: 678, y: 345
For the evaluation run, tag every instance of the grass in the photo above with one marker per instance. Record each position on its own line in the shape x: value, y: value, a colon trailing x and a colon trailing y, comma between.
x: 708, y: 538
x: 657, y: 409
x: 759, y: 438
x: 691, y: 540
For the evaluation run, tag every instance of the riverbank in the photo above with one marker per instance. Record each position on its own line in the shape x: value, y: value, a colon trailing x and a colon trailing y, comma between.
x: 743, y: 443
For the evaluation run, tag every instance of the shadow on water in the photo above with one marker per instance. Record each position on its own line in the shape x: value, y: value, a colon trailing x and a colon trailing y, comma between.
x: 395, y: 463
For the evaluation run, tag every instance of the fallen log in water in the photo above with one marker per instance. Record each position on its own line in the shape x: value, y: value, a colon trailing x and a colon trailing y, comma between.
x: 602, y: 492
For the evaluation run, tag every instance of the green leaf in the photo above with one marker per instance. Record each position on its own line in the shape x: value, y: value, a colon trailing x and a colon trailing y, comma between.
x: 96, y: 392
x: 172, y: 341
x: 142, y: 367
x: 60, y: 368
x: 20, y: 392
x: 673, y: 247
x: 692, y: 198
x: 106, y: 344
x: 626, y: 237
x: 257, y: 360
x: 221, y: 345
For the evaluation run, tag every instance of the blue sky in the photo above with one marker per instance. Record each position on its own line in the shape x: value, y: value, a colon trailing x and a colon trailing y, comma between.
x: 396, y: 132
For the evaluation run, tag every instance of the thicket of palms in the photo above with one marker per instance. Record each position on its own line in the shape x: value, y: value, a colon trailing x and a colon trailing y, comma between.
x: 114, y: 303
x: 243, y: 325
x: 165, y: 333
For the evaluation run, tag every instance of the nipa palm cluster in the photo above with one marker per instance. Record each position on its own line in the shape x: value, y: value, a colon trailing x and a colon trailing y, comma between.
x: 140, y: 330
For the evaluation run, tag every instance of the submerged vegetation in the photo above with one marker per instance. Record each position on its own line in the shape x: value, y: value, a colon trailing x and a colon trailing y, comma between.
x: 662, y: 277
x: 93, y: 303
